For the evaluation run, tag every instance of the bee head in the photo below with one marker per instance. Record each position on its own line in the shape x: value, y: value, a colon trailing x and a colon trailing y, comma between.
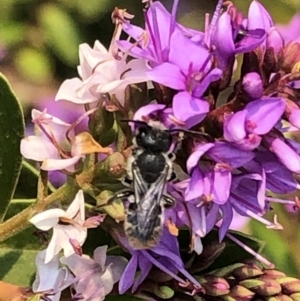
x: 152, y: 135
x: 153, y: 138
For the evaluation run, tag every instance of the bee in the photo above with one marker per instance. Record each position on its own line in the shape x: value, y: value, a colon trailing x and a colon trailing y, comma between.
x: 149, y: 169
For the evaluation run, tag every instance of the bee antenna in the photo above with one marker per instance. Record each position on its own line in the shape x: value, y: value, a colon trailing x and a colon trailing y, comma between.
x: 188, y: 132
x: 140, y: 122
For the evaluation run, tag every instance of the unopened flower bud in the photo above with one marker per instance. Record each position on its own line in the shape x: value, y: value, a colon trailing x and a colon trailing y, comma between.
x: 289, y: 285
x: 274, y: 40
x: 273, y: 274
x: 252, y: 85
x: 295, y: 297
x: 216, y: 286
x: 291, y: 56
x: 240, y: 293
x: 262, y: 286
x: 279, y: 298
x: 247, y: 271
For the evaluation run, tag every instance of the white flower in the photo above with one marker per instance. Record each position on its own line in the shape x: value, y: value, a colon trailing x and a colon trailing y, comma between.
x: 98, y: 275
x: 50, y: 143
x: 101, y: 73
x: 66, y: 225
x: 50, y: 278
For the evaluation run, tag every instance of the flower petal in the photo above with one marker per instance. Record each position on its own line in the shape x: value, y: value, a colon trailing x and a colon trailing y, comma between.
x: 100, y: 256
x: 197, y: 154
x: 46, y: 273
x: 118, y: 265
x: 128, y: 276
x: 195, y: 188
x: 194, y: 58
x: 189, y: 109
x: 68, y: 91
x: 234, y: 126
x: 38, y: 148
x: 59, y: 164
x: 221, y: 186
x: 47, y: 219
x: 227, y: 213
x: 168, y: 75
x: 76, y: 208
x: 265, y: 113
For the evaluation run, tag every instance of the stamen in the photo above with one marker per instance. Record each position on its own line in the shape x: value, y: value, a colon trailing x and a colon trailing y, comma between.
x: 173, y: 18
x: 51, y: 138
x: 270, y: 225
x: 190, y: 277
x: 75, y: 123
x: 206, y: 29
x: 252, y: 252
x: 281, y: 201
x: 154, y: 34
x: 161, y: 267
x: 119, y: 16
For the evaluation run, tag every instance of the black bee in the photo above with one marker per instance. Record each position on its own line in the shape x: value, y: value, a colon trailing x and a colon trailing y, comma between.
x: 149, y: 169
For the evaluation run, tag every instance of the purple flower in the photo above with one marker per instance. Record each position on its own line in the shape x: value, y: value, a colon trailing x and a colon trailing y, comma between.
x: 207, y: 190
x: 153, y: 42
x: 244, y: 128
x: 212, y: 178
x: 164, y: 256
x: 227, y: 36
x: 279, y: 179
x: 190, y: 74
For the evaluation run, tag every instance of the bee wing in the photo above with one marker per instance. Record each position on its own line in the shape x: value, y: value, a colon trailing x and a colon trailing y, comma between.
x: 156, y: 189
x: 144, y: 224
x: 139, y: 185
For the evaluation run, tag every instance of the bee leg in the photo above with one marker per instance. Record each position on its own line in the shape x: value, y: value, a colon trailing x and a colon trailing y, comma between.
x: 173, y: 177
x: 167, y: 201
x: 122, y: 195
x: 172, y: 156
x: 127, y: 182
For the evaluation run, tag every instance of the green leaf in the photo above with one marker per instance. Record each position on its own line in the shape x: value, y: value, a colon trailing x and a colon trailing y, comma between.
x: 17, y: 254
x: 17, y: 266
x: 278, y: 249
x: 61, y: 32
x: 11, y: 133
x: 27, y: 184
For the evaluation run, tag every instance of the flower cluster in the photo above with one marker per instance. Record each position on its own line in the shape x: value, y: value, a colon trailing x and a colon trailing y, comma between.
x: 238, y: 159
